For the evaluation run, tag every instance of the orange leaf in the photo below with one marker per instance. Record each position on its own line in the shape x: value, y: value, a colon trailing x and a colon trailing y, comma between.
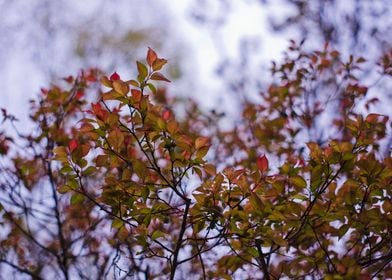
x: 151, y: 56
x: 106, y: 82
x: 136, y: 94
x: 201, y: 142
x: 158, y: 64
x: 262, y: 163
x: 159, y: 77
x: 372, y: 118
x: 121, y: 87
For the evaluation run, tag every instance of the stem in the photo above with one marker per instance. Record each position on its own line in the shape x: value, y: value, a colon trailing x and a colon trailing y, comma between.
x: 180, y: 239
x: 63, y: 245
x: 264, y: 266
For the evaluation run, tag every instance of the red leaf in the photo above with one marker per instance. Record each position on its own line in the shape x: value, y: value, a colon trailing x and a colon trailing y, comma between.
x: 96, y: 107
x: 159, y: 77
x: 151, y: 56
x: 98, y: 110
x: 73, y: 144
x: 79, y: 94
x: 262, y: 163
x: 69, y: 79
x: 115, y: 77
x: 166, y: 115
x: 44, y: 91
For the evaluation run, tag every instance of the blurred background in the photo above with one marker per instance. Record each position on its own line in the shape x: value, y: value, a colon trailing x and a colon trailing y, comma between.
x: 217, y: 49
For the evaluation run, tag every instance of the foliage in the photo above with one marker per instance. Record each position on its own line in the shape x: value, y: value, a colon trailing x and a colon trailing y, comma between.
x: 122, y: 187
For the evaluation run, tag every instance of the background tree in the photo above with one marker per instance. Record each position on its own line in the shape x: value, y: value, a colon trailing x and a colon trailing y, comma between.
x: 122, y: 187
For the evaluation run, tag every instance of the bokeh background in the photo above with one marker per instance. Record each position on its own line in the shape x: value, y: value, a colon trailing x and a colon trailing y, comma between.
x: 217, y: 49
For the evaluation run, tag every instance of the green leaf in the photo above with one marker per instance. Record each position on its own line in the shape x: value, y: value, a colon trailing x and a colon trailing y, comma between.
x: 89, y: 170
x: 134, y: 83
x: 298, y: 181
x: 77, y: 198
x: 73, y: 183
x: 60, y: 153
x: 117, y: 223
x: 157, y: 234
x: 152, y: 88
x: 66, y: 169
x: 256, y: 201
x: 315, y: 178
x: 142, y: 70
x: 147, y: 220
x: 139, y: 168
x: 342, y: 230
x: 145, y: 193
x: 64, y: 189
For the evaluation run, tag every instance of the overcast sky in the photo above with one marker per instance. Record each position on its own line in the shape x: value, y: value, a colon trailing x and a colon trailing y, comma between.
x: 27, y: 64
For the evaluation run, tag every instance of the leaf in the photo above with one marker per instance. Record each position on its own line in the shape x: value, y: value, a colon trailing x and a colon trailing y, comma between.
x: 133, y: 83
x: 136, y: 94
x: 316, y: 177
x: 262, y: 163
x: 298, y: 181
x: 116, y: 139
x: 106, y: 82
x: 117, y: 223
x: 73, y: 144
x: 66, y: 169
x: 202, y: 152
x: 89, y: 170
x: 101, y: 160
x: 256, y: 201
x: 83, y: 150
x: 121, y: 87
x: 86, y: 127
x: 210, y: 169
x: 152, y: 88
x: 142, y: 70
x: 342, y: 230
x: 64, y: 189
x: 139, y: 168
x: 151, y: 56
x: 158, y: 64
x: 156, y: 234
x: 145, y: 193
x: 201, y: 142
x: 60, y: 153
x: 77, y: 198
x: 115, y: 77
x: 166, y: 115
x: 111, y: 95
x: 159, y: 77
x: 373, y: 118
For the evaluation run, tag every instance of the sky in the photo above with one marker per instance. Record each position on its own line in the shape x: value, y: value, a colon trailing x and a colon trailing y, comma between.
x: 32, y: 57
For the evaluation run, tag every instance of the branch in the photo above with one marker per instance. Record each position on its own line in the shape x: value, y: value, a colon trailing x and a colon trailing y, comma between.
x: 180, y: 239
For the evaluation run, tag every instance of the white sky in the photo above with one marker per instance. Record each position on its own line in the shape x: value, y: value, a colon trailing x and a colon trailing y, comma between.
x: 22, y: 79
